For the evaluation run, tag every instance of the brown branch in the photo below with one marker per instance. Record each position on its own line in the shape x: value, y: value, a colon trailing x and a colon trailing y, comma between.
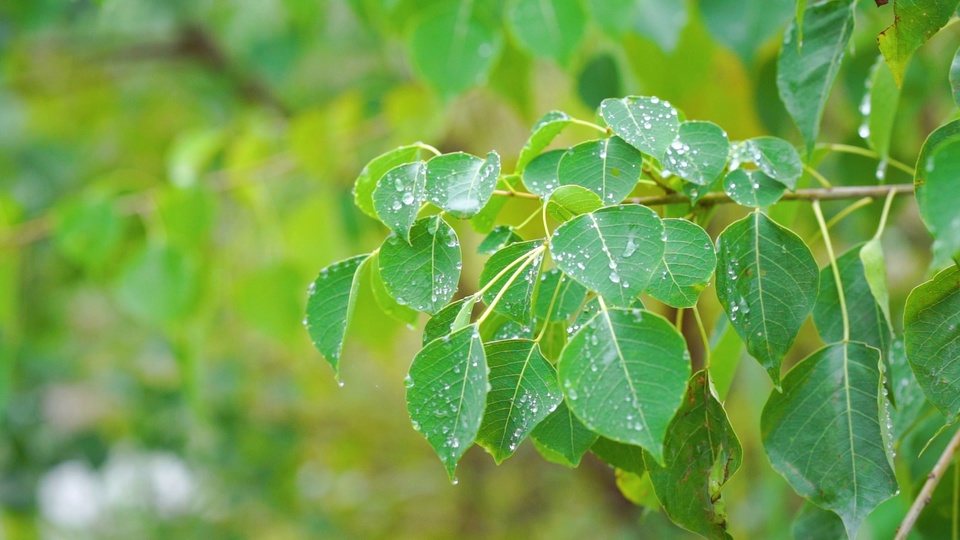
x: 923, y: 498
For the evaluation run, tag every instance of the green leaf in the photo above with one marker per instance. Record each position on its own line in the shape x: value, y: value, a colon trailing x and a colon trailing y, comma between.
x: 562, y: 438
x: 752, y: 188
x: 423, y: 274
x: 775, y: 157
x: 447, y: 392
x: 649, y: 124
x: 387, y: 304
x: 453, y: 51
x: 661, y: 21
x: 698, y: 154
x: 558, y: 296
x: 366, y: 183
x: 399, y: 194
x: 930, y: 322
x: 448, y: 320
x: 626, y: 457
x: 914, y: 22
x: 608, y: 167
x: 330, y: 303
x: 544, y: 131
x: 767, y: 282
x: 937, y: 196
x: 701, y: 453
x: 547, y: 28
x: 567, y: 202
x: 460, y: 183
x: 523, y: 391
x: 500, y: 236
x: 540, y: 175
x: 744, y: 25
x: 517, y: 301
x: 807, y: 67
x: 485, y: 220
x: 159, y: 284
x: 624, y: 374
x: 613, y: 251
x: 598, y: 80
x: 907, y: 393
x: 815, y: 523
x: 955, y: 77
x: 615, y: 17
x: 823, y: 433
x: 89, y: 230
x: 879, y: 109
x: 688, y: 262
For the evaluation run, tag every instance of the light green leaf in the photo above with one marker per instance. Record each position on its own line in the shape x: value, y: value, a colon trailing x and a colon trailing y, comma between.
x: 330, y: 305
x: 387, y: 304
x: 451, y: 318
x: 701, y: 453
x: 879, y: 109
x: 423, y: 274
x: 399, y: 194
x: 517, y: 302
x: 649, y: 124
x: 931, y: 324
x: 366, y: 183
x: 807, y: 67
x: 613, y: 251
x: 823, y: 433
x: 615, y: 17
x: 752, y: 188
x: 158, y: 284
x: 447, y: 392
x: 562, y: 438
x: 936, y: 189
x: 955, y: 77
x: 687, y: 264
x: 460, y: 183
x: 608, y: 167
x: 547, y: 28
x: 540, y: 175
x: 744, y: 25
x: 523, y: 391
x: 544, y: 131
x: 500, y: 236
x: 453, y: 51
x: 698, y: 154
x: 775, y: 157
x: 767, y: 282
x: 661, y: 21
x: 626, y: 457
x: 88, y: 230
x: 567, y: 202
x: 914, y: 22
x: 624, y: 374
x: 558, y: 296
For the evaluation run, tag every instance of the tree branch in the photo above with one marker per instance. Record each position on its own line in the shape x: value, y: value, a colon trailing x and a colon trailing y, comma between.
x: 923, y: 498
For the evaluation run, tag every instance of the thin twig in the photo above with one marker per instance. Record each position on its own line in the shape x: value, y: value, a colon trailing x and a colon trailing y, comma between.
x: 923, y: 498
x: 822, y: 194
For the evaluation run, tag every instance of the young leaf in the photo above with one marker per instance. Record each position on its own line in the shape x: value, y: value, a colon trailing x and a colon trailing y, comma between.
x: 608, y: 167
x: 914, y: 22
x: 540, y: 175
x: 446, y: 393
x: 453, y: 51
x: 547, y: 28
x: 823, y: 433
x: 460, y: 183
x: 544, y: 131
x: 387, y: 304
x: 366, y: 183
x: 688, y: 262
x: 517, y: 301
x: 775, y: 157
x: 523, y: 391
x: 329, y: 307
x: 931, y: 324
x: 423, y: 274
x: 613, y: 251
x: 767, y: 283
x: 567, y: 202
x: 936, y: 191
x: 500, y: 236
x: 752, y: 188
x: 624, y: 374
x: 698, y: 154
x: 807, y: 67
x: 701, y: 453
x: 648, y: 123
x: 626, y: 457
x: 562, y: 438
x: 558, y: 296
x: 398, y: 196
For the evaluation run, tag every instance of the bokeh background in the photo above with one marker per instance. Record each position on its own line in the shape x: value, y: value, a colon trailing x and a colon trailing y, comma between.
x: 172, y: 176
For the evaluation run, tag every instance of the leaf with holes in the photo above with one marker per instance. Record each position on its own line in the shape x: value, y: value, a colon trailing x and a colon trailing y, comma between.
x: 425, y: 273
x: 698, y: 154
x: 648, y: 123
x: 688, y: 262
x: 460, y: 183
x: 330, y: 304
x: 608, y: 167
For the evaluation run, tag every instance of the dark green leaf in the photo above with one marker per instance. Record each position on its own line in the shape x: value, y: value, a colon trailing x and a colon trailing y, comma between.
x: 399, y: 194
x: 330, y: 303
x: 649, y: 124
x: 815, y: 523
x: 767, y: 282
x: 914, y: 22
x: 443, y: 322
x: 500, y: 236
x: 937, y: 195
x: 567, y: 202
x: 562, y: 438
x: 447, y: 392
x: 558, y: 296
x: 453, y: 51
x: 775, y: 157
x: 599, y: 80
x: 366, y: 183
x: 688, y: 262
x: 698, y: 154
x: 517, y: 301
x: 460, y: 183
x: 547, y: 28
x: 907, y: 393
x: 423, y: 274
x: 544, y: 131
x: 823, y: 433
x: 626, y: 457
x: 608, y: 167
x: 624, y: 374
x: 540, y: 175
x: 387, y: 304
x: 752, y: 188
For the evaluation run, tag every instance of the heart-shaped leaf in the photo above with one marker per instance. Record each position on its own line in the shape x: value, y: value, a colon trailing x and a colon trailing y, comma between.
x: 688, y: 262
x: 698, y: 154
x: 608, y: 167
x: 648, y: 123
x: 425, y: 273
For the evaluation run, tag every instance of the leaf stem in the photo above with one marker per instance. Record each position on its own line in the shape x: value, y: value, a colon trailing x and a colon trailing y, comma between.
x: 517, y: 194
x: 823, y: 194
x: 703, y: 337
x: 679, y: 321
x: 923, y: 498
x: 427, y: 147
x: 599, y: 128
x: 836, y: 269
x: 860, y: 203
x: 883, y: 216
x: 821, y: 179
x: 527, y: 260
x: 866, y: 152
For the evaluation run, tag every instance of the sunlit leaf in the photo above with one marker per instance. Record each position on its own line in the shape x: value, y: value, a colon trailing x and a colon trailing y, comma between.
x: 547, y: 28
x: 687, y: 265
x: 366, y: 183
x: 608, y: 167
x: 914, y: 22
x: 423, y: 274
x: 767, y: 282
x: 698, y: 154
x: 567, y: 202
x: 330, y: 302
x: 649, y: 124
x: 453, y: 51
x: 398, y: 196
x: 460, y: 183
x: 562, y: 438
x: 516, y: 302
x: 544, y: 131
